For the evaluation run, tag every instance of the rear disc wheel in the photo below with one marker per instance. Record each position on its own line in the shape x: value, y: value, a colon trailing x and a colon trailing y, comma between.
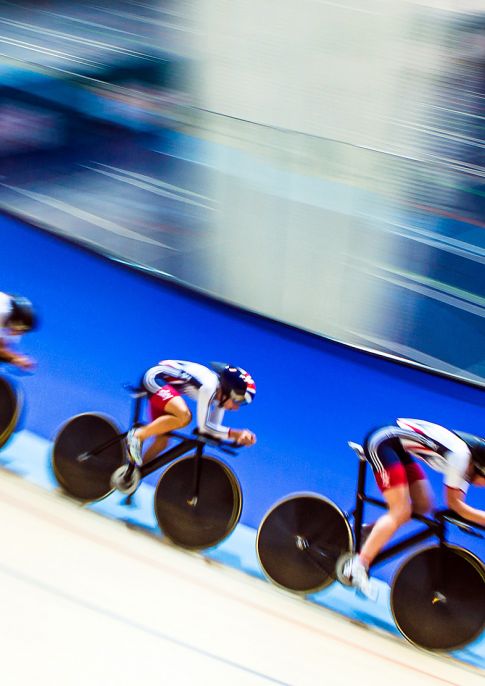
x: 82, y: 474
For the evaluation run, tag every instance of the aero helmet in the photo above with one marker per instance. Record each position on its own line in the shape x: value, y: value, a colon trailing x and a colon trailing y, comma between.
x: 22, y: 313
x: 237, y: 384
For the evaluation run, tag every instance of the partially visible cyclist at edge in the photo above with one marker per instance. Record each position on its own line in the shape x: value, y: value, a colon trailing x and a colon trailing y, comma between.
x: 391, y: 452
x: 17, y: 317
x: 224, y: 387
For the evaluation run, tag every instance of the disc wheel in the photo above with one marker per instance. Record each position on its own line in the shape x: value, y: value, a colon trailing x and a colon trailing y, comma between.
x: 438, y: 598
x: 10, y: 407
x: 300, y: 540
x: 81, y: 474
x: 198, y: 516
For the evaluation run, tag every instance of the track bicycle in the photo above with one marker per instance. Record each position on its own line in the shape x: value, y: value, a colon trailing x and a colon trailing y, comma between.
x: 198, y: 498
x: 437, y: 593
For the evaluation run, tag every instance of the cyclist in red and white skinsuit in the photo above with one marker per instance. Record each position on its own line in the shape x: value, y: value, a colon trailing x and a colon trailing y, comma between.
x: 391, y: 452
x: 225, y: 387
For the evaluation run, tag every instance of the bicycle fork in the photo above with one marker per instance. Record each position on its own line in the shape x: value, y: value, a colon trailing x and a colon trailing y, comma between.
x: 193, y: 500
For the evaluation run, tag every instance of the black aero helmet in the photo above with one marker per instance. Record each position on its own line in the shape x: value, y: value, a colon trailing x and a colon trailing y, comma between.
x: 22, y: 313
x: 237, y: 384
x: 477, y: 449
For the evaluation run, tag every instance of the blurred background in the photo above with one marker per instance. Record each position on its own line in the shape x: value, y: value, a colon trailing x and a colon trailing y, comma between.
x: 319, y: 163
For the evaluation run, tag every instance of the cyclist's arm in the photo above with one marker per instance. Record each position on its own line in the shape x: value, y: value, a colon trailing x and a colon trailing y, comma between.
x: 455, y: 499
x: 8, y: 355
x: 456, y: 483
x: 239, y: 436
x: 209, y: 416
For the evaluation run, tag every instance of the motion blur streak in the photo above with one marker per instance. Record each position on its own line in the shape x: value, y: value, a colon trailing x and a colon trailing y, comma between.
x: 318, y: 162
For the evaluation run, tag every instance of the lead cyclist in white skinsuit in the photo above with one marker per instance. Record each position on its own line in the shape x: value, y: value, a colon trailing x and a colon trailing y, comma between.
x: 391, y: 452
x: 224, y: 387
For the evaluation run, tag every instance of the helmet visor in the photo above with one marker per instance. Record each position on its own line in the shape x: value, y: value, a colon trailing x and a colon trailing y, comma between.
x: 238, y: 399
x: 18, y: 327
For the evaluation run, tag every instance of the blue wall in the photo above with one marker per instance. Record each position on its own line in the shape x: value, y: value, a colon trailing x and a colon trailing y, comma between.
x: 103, y: 324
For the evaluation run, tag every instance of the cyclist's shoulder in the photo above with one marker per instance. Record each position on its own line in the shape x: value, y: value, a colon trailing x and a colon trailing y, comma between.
x: 199, y: 373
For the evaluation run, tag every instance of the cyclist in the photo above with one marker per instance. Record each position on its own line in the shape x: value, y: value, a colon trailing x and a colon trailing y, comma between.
x: 224, y: 387
x: 391, y: 452
x: 17, y: 317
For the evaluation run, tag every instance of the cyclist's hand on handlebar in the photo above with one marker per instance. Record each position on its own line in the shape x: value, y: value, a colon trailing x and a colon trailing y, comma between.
x: 242, y: 436
x: 23, y: 362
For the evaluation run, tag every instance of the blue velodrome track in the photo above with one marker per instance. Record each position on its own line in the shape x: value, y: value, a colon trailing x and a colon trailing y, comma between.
x: 103, y: 323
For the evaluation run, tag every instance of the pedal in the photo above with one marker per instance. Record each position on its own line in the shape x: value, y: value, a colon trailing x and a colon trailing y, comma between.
x: 119, y: 482
x: 366, y: 590
x: 339, y: 568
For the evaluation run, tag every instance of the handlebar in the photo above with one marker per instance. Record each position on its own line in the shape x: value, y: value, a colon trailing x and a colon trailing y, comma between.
x: 226, y: 447
x: 358, y: 450
x: 135, y: 391
x: 229, y: 447
x: 463, y: 524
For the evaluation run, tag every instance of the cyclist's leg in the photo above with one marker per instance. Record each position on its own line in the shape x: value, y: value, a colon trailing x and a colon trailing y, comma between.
x: 419, y: 488
x: 175, y: 415
x: 156, y: 446
x: 389, y: 469
x: 386, y: 459
x: 169, y: 412
x: 390, y: 475
x: 355, y: 569
x: 399, y: 512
